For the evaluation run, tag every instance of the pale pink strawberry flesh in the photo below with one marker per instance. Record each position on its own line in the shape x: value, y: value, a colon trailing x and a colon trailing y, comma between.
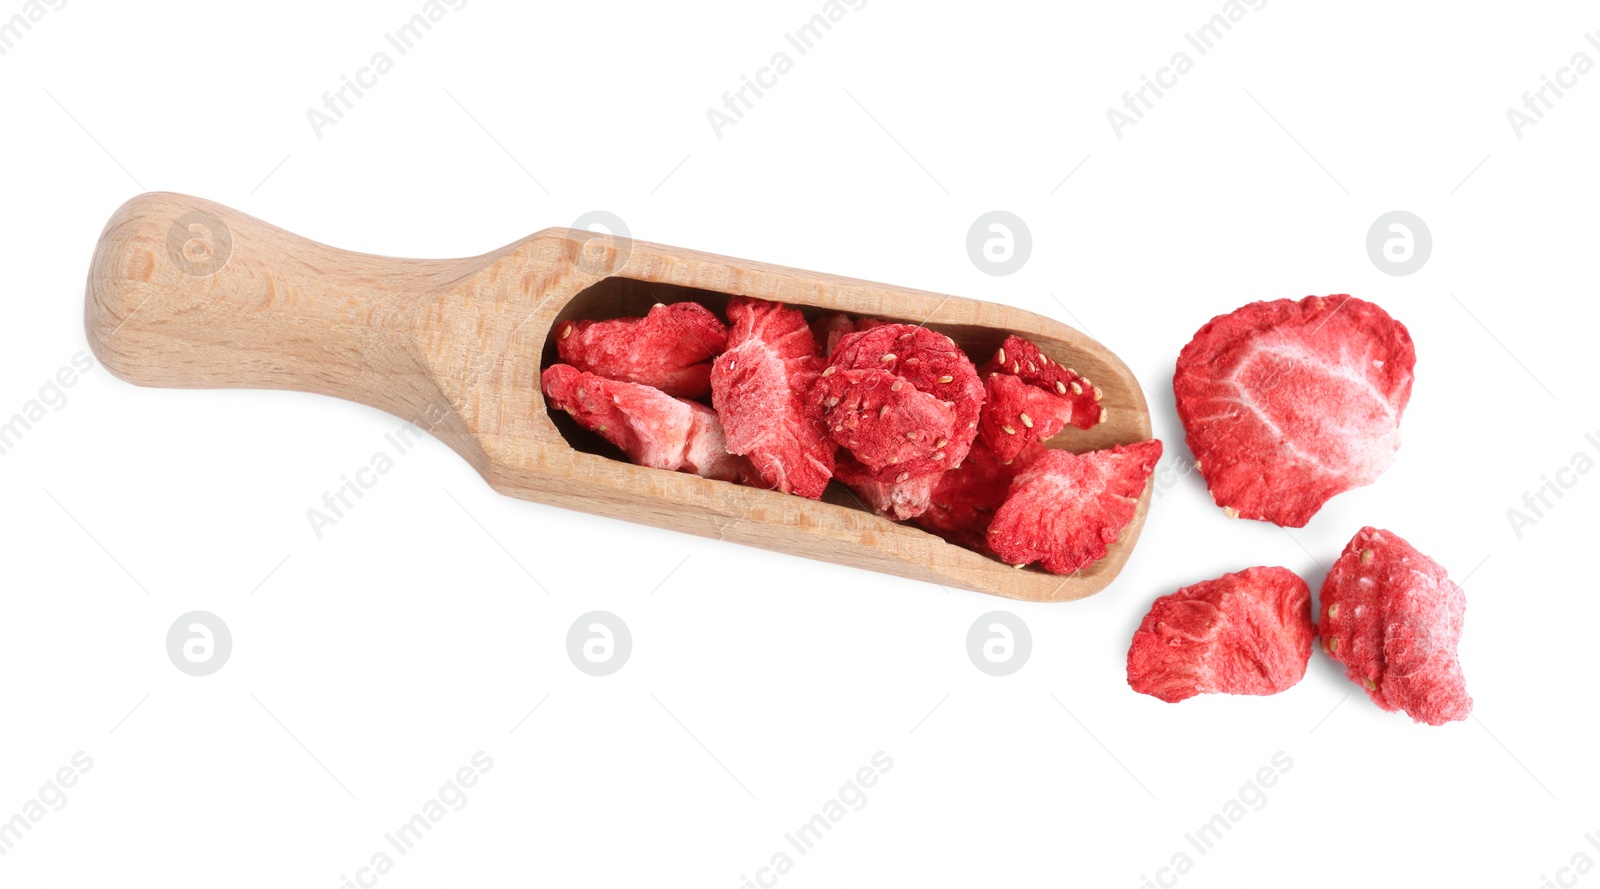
x: 902, y: 499
x: 652, y: 428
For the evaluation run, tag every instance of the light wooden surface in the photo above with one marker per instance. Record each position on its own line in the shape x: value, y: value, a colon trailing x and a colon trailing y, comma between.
x: 456, y: 347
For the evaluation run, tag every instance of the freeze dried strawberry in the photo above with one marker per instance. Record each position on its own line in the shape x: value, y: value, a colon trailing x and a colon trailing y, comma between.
x: 1064, y: 509
x: 927, y: 362
x: 1286, y: 404
x: 899, y: 499
x: 829, y: 329
x: 1020, y: 358
x: 1246, y: 633
x: 894, y: 429
x: 651, y: 427
x: 1393, y: 617
x: 1016, y: 415
x: 670, y: 348
x: 758, y: 387
x: 965, y: 498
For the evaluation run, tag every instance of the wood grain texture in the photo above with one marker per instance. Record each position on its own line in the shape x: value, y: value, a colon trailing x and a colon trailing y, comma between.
x: 183, y: 292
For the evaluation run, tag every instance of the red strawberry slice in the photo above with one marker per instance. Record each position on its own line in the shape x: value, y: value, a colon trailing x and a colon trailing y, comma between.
x: 1286, y: 404
x: 651, y: 427
x: 892, y: 428
x: 904, y: 497
x: 964, y: 500
x: 1246, y: 633
x: 926, y: 362
x: 670, y: 348
x: 758, y: 387
x: 1064, y: 509
x: 1393, y: 617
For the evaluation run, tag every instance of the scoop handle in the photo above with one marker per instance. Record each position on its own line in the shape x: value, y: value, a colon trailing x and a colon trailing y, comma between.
x: 186, y: 293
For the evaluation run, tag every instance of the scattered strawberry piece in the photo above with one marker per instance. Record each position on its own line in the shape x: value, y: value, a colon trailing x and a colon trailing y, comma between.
x: 1246, y: 633
x: 965, y: 498
x: 651, y: 427
x: 1064, y: 509
x: 925, y: 362
x: 900, y: 500
x: 890, y: 426
x: 669, y: 349
x: 1286, y: 404
x: 1393, y: 617
x: 758, y: 387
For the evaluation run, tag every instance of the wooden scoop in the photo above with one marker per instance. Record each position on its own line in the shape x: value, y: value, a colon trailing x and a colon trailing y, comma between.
x: 187, y: 293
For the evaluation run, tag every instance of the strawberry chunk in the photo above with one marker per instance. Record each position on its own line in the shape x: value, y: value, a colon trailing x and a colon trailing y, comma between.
x: 889, y: 426
x: 1393, y: 618
x: 651, y: 427
x: 1065, y: 509
x: 1016, y: 415
x: 1030, y: 398
x: 930, y: 367
x: 830, y: 329
x: 758, y: 387
x: 1020, y: 358
x: 1246, y: 633
x: 965, y: 498
x: 906, y: 497
x: 669, y: 349
x: 1286, y: 404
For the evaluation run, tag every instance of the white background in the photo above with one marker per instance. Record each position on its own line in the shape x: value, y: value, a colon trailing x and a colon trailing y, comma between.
x: 425, y: 626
